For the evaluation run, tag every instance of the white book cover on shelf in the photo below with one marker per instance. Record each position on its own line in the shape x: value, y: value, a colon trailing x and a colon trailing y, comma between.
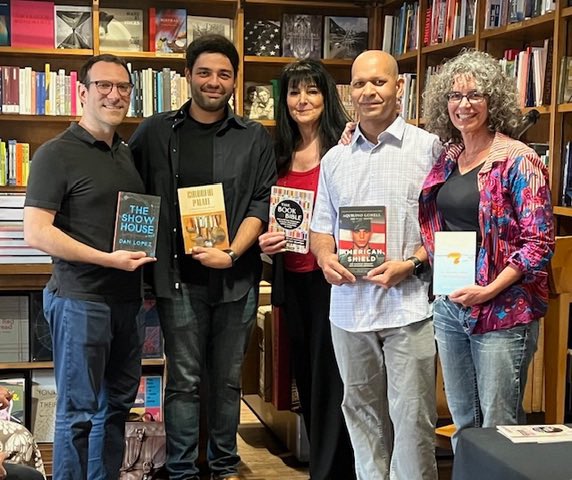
x: 199, y: 26
x: 44, y: 398
x: 454, y: 261
x: 14, y: 345
x: 291, y: 213
x: 121, y: 29
x: 536, y: 433
x: 73, y: 27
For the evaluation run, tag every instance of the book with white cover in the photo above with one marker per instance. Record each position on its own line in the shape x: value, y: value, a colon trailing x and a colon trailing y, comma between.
x: 454, y: 261
x: 536, y: 433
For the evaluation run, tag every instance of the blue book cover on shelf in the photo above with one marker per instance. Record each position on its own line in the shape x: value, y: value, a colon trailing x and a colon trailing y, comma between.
x: 4, y: 23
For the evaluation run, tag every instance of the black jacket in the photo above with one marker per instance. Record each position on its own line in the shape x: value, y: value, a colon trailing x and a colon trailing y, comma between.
x: 243, y: 162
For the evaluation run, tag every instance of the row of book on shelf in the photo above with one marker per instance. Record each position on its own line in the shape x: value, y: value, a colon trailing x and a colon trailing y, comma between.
x: 25, y: 334
x: 170, y: 30
x: 70, y: 27
x: 499, y: 13
x: 39, y: 388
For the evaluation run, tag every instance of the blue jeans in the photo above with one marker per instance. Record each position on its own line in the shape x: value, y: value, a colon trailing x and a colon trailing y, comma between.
x: 484, y: 374
x: 201, y: 337
x: 97, y: 362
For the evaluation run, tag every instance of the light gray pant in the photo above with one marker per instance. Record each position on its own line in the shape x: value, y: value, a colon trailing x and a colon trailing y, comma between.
x: 389, y: 400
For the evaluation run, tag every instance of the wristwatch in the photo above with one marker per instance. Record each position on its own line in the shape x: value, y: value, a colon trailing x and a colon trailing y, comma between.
x: 419, y: 266
x: 233, y: 256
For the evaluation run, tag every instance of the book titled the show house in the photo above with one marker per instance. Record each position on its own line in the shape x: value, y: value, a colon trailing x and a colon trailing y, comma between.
x: 291, y: 213
x: 137, y: 222
x: 362, y: 242
x: 203, y: 217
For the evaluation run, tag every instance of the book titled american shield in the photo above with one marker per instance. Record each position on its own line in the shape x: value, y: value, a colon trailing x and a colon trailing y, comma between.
x: 137, y: 222
x: 361, y: 240
x: 203, y: 217
x: 454, y: 261
x: 291, y: 213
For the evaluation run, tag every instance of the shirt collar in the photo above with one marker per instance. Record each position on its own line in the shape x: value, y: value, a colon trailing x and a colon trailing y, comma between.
x: 81, y: 133
x: 179, y: 116
x: 395, y: 130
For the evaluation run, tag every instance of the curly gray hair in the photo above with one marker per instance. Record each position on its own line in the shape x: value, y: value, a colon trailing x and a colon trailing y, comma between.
x: 503, y: 108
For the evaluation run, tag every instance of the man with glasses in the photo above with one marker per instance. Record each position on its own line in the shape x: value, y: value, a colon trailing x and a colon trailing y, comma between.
x: 93, y: 299
x: 381, y: 323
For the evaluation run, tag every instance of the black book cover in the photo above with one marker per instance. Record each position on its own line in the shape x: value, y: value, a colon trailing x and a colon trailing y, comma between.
x: 262, y: 38
x: 136, y: 223
x: 40, y: 336
x: 302, y: 36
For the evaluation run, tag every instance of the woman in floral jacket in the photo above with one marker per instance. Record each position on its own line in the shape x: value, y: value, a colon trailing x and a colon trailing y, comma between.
x: 492, y: 184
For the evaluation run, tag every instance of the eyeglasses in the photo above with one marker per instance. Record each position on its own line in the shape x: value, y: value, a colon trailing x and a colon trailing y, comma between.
x: 104, y: 87
x: 472, y: 97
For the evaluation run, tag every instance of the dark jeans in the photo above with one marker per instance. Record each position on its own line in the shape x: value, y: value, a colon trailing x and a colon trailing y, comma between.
x: 320, y: 387
x: 21, y: 472
x: 211, y: 338
x: 97, y: 361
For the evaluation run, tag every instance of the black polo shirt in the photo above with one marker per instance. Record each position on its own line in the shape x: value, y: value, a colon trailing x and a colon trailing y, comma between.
x: 79, y: 177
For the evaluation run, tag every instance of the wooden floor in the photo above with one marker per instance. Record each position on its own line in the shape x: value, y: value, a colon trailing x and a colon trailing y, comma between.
x: 264, y: 458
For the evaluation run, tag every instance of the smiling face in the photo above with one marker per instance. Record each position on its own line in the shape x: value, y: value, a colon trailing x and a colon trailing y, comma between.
x: 375, y: 88
x: 212, y: 82
x: 104, y: 112
x: 468, y: 117
x: 305, y: 104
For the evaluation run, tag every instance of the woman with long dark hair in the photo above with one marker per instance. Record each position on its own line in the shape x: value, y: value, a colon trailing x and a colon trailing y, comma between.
x: 310, y: 120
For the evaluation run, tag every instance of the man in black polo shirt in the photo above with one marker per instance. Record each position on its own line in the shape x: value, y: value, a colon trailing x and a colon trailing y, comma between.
x: 93, y: 298
x: 207, y: 300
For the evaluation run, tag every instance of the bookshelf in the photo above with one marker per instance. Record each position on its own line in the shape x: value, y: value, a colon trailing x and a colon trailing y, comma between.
x: 554, y: 126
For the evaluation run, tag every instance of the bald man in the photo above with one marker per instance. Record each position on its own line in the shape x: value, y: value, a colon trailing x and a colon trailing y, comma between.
x: 381, y: 323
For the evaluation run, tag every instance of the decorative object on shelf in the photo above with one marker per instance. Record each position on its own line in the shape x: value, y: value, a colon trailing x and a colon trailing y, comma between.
x: 262, y: 38
x: 345, y: 37
x: 302, y: 36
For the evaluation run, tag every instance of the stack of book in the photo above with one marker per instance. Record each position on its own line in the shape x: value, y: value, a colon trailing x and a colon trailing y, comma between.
x: 536, y: 433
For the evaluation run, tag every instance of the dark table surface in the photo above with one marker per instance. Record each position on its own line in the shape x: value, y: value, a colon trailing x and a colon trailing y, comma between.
x: 485, y: 454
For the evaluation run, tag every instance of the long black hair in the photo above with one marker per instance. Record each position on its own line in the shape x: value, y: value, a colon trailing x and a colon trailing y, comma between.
x: 332, y: 121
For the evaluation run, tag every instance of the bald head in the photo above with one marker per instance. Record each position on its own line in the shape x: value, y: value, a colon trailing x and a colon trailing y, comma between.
x: 378, y: 60
x: 375, y: 90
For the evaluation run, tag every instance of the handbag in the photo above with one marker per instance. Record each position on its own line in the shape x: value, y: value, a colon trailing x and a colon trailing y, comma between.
x: 145, y: 451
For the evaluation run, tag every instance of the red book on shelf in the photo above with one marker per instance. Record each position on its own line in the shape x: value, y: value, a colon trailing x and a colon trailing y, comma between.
x: 32, y: 24
x: 281, y: 377
x: 152, y: 28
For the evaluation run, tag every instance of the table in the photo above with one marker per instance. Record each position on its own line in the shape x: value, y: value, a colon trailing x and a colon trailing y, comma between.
x: 484, y: 454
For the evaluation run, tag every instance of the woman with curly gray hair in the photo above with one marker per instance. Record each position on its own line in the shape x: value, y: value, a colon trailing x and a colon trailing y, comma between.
x: 489, y: 183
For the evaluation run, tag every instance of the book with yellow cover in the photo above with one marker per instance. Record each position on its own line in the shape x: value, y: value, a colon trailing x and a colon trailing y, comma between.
x: 203, y: 217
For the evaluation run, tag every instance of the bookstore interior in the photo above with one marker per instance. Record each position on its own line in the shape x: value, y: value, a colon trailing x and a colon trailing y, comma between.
x: 44, y: 42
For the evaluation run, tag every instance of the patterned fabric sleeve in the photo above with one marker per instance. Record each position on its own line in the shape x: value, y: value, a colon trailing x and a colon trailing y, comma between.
x: 531, y: 203
x: 20, y: 445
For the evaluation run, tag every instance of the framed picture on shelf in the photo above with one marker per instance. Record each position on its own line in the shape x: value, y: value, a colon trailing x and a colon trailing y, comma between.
x: 345, y: 37
x: 258, y: 101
